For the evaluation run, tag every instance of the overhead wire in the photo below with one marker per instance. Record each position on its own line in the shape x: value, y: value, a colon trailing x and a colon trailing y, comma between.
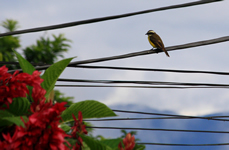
x: 132, y: 68
x: 140, y: 82
x: 159, y: 129
x: 153, y: 87
x: 170, y: 144
x: 172, y: 115
x: 150, y: 118
x: 76, y: 23
x: 145, y: 52
x: 151, y: 69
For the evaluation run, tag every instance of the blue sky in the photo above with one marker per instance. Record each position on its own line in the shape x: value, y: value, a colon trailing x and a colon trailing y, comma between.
x: 178, y: 26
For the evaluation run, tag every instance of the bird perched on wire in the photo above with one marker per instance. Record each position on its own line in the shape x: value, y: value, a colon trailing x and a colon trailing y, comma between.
x: 156, y: 41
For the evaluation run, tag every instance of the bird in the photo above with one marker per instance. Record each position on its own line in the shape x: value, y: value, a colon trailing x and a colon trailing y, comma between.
x: 155, y: 41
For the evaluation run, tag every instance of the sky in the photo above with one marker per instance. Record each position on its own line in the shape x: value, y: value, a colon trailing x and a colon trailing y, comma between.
x: 127, y: 35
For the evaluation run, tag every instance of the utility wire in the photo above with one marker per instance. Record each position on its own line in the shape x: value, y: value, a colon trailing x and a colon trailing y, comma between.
x: 157, y: 129
x: 130, y: 68
x: 140, y: 82
x: 171, y: 115
x: 151, y: 118
x: 145, y: 52
x: 70, y: 24
x: 151, y: 69
x: 170, y: 144
x: 154, y: 87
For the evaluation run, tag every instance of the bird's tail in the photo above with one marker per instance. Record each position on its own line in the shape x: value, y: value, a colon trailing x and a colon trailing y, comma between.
x: 166, y: 52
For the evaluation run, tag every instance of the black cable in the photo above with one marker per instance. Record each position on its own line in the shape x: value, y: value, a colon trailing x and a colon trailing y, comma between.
x: 157, y: 129
x: 151, y: 118
x: 70, y: 24
x: 171, y: 115
x: 126, y: 119
x: 170, y: 144
x: 155, y: 87
x: 141, y: 82
x: 145, y: 52
x: 130, y: 68
x: 150, y: 69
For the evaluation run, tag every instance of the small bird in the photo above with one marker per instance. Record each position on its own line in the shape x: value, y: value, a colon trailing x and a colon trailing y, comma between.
x: 156, y: 41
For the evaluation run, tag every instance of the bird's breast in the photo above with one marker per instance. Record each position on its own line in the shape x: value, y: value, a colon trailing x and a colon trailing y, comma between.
x: 151, y: 43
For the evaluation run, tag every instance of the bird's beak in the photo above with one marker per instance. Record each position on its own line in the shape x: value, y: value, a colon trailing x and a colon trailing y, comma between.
x: 146, y: 33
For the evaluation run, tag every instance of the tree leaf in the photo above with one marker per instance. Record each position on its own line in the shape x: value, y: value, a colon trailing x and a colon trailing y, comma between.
x: 65, y: 127
x: 52, y: 73
x: 5, y: 113
x: 89, y: 109
x: 112, y: 143
x: 19, y: 106
x: 12, y: 120
x: 94, y: 144
x: 25, y: 65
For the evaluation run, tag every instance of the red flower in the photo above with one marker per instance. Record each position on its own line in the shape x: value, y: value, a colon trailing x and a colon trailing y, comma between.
x: 128, y: 141
x: 78, y: 128
x: 38, y: 103
x: 41, y: 131
x: 12, y: 86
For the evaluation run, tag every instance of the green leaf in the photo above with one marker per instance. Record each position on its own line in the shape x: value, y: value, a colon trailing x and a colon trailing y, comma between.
x: 19, y: 106
x: 89, y: 109
x: 52, y: 73
x: 6, y: 121
x: 112, y: 143
x: 5, y: 113
x: 25, y: 65
x: 94, y: 144
x: 65, y: 127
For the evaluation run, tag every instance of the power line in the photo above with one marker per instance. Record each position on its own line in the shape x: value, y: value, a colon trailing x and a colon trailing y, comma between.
x: 141, y: 82
x: 158, y: 129
x: 170, y: 144
x: 145, y: 52
x: 130, y: 68
x: 151, y: 118
x: 171, y: 115
x: 151, y: 69
x: 154, y: 87
x: 70, y: 24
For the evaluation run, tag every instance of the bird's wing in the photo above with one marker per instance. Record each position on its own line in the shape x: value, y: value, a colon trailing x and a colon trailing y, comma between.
x: 159, y: 44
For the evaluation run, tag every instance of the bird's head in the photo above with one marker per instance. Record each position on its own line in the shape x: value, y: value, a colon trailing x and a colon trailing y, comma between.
x: 150, y: 32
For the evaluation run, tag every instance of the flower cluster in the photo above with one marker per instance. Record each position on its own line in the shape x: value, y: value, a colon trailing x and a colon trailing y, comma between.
x: 12, y: 86
x: 128, y: 142
x: 41, y: 129
x: 78, y: 127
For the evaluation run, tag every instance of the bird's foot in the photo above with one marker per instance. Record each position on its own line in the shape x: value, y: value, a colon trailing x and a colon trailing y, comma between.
x: 157, y: 50
x: 150, y: 51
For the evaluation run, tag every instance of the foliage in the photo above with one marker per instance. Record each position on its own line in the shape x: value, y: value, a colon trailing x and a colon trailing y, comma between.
x: 42, y: 124
x: 10, y: 25
x: 18, y: 113
x: 46, y: 50
x: 60, y: 97
x: 9, y: 43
